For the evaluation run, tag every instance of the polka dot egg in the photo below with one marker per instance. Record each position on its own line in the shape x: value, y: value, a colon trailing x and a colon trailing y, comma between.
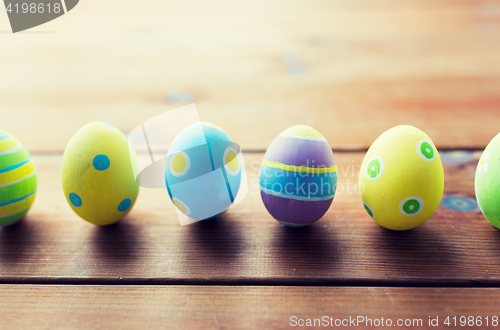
x: 487, y: 182
x: 18, y: 181
x: 401, y: 179
x: 203, y: 171
x: 97, y: 174
x: 298, y: 177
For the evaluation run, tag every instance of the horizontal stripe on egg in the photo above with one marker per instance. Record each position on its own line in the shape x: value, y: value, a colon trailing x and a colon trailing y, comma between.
x: 17, y: 206
x: 17, y: 174
x: 295, y: 212
x: 17, y: 199
x: 299, y: 186
x: 14, y: 161
x: 11, y: 222
x: 295, y: 197
x: 299, y: 169
x: 2, y: 217
x: 32, y: 174
x: 12, y: 150
x: 293, y: 224
x: 296, y: 151
x: 3, y: 137
x: 8, y: 142
x: 7, y: 219
x: 17, y: 189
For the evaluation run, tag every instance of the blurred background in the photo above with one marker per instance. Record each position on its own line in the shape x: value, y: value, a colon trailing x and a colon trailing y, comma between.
x: 349, y: 68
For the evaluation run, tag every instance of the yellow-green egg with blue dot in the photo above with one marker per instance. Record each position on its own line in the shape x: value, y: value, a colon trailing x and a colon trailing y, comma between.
x: 18, y: 181
x: 487, y: 182
x: 401, y: 180
x: 98, y: 174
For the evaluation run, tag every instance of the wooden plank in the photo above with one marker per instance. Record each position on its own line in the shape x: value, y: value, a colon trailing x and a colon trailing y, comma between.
x: 246, y: 246
x: 214, y: 307
x: 351, y: 69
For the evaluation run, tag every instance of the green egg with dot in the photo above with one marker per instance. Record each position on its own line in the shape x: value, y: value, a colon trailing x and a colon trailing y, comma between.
x: 98, y: 174
x: 487, y: 182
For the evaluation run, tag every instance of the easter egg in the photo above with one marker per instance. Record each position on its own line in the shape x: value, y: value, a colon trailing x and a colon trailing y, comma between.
x: 298, y: 177
x: 203, y: 171
x: 401, y: 179
x: 97, y: 174
x: 18, y: 182
x: 487, y: 182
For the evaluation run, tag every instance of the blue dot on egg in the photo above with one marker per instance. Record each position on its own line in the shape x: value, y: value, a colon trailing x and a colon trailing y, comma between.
x: 124, y: 205
x: 101, y: 162
x: 458, y: 203
x: 75, y: 200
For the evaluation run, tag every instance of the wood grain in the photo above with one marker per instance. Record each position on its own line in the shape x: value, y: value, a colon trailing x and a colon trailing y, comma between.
x: 247, y: 246
x: 351, y: 69
x: 215, y: 307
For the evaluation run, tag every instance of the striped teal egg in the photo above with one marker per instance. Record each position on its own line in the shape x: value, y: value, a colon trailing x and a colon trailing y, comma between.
x: 298, y: 177
x: 18, y: 181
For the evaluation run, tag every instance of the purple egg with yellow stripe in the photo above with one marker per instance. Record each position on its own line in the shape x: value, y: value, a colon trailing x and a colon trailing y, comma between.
x: 18, y: 181
x: 298, y: 177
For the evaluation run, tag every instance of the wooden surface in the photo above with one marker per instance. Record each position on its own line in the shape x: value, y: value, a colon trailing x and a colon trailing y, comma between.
x: 229, y: 307
x: 246, y: 245
x: 350, y: 68
x: 244, y: 270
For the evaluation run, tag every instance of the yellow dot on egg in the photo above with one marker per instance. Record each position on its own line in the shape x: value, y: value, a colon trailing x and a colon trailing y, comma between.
x: 482, y: 161
x: 180, y: 206
x: 232, y: 161
x: 179, y: 163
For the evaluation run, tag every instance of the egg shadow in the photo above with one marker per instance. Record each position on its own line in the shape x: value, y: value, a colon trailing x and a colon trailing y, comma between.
x: 215, y: 243
x: 17, y: 240
x: 496, y: 234
x: 119, y: 243
x: 314, y: 247
x: 491, y: 240
x: 418, y: 251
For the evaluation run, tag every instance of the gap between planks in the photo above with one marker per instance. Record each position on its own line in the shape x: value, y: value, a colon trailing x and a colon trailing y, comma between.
x: 326, y: 283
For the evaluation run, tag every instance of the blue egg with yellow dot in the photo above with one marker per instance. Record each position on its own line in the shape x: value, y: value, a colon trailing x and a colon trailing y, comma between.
x: 98, y: 174
x: 203, y: 171
x: 18, y: 180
